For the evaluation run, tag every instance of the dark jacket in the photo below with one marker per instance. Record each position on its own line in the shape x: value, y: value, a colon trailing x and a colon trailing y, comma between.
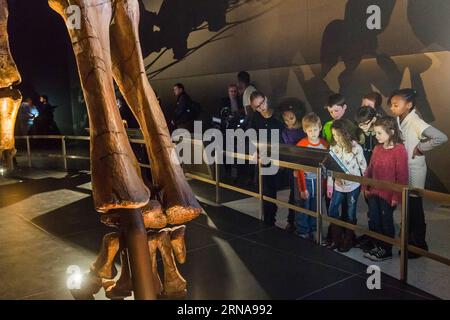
x: 182, y: 113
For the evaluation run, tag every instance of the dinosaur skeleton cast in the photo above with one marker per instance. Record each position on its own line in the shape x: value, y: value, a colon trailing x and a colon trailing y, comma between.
x: 10, y: 98
x: 107, y: 49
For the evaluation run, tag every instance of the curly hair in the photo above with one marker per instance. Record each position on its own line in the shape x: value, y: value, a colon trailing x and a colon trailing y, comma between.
x: 343, y: 127
x: 390, y: 126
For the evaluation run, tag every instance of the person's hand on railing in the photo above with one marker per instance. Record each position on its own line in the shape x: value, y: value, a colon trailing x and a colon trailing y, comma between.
x: 329, y: 193
x: 330, y: 187
x: 295, y: 174
x: 304, y: 195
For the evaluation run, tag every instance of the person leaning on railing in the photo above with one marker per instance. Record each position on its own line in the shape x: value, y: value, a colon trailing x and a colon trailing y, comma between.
x: 306, y: 182
x: 389, y: 162
x: 291, y: 135
x: 267, y: 121
x: 351, y: 155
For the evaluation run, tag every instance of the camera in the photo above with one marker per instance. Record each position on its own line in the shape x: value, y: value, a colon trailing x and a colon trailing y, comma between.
x: 226, y: 119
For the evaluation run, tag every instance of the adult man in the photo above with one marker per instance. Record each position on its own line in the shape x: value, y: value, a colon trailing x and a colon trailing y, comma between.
x: 183, y: 116
x: 27, y: 113
x: 44, y: 122
x: 245, y: 90
x: 232, y: 102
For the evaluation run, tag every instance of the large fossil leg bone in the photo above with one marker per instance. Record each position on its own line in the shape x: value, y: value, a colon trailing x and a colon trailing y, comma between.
x: 104, y: 266
x: 10, y: 99
x: 169, y: 242
x: 9, y: 75
x: 115, y: 179
x: 174, y: 283
x: 153, y: 247
x: 178, y: 243
x: 123, y: 287
x: 178, y: 200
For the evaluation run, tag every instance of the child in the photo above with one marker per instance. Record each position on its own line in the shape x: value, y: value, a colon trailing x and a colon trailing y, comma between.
x: 373, y: 100
x: 291, y: 135
x: 365, y: 118
x: 419, y: 138
x: 307, y: 182
x: 389, y: 163
x: 293, y: 132
x: 336, y: 106
x: 351, y: 155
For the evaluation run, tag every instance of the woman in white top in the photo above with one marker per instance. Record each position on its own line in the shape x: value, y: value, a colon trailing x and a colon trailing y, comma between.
x: 419, y: 138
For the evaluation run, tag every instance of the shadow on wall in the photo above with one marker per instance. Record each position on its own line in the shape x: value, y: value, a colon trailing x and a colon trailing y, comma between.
x: 430, y: 21
x: 176, y: 19
x: 351, y: 41
x: 166, y: 30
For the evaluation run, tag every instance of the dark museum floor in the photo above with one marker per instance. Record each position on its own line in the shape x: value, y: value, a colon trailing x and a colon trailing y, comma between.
x: 48, y: 223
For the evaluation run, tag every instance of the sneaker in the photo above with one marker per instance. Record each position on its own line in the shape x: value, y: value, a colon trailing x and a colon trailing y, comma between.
x: 381, y: 255
x: 333, y: 246
x: 371, y: 253
x: 360, y: 241
x: 367, y: 246
x: 302, y: 235
x: 325, y: 243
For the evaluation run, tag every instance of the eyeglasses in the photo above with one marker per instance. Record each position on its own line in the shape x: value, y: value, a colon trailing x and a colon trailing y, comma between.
x: 365, y: 124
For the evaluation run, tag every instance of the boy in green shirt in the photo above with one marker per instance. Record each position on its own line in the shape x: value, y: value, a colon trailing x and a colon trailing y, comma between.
x: 337, y: 106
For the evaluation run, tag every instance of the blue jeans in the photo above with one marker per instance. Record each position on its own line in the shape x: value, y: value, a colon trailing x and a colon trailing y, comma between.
x: 351, y: 198
x: 292, y: 183
x: 304, y: 223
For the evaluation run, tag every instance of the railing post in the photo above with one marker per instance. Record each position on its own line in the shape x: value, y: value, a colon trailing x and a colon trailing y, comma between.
x: 28, y: 151
x: 135, y: 237
x: 404, y: 236
x: 319, y: 205
x: 217, y: 177
x: 64, y: 152
x: 260, y: 187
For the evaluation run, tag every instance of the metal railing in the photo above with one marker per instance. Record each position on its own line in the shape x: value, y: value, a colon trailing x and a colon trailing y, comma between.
x: 401, y: 243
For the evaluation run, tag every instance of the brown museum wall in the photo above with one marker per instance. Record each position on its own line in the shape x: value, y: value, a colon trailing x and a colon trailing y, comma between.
x: 304, y: 49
